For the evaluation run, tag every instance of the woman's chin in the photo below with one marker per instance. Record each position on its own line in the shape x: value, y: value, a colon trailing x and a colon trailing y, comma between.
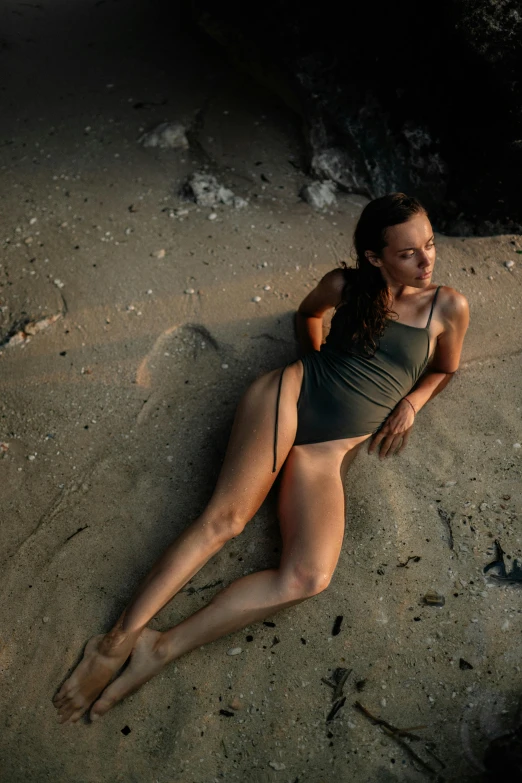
x: 422, y: 282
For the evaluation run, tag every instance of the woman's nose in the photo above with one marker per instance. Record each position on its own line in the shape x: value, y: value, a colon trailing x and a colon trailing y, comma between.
x: 424, y: 260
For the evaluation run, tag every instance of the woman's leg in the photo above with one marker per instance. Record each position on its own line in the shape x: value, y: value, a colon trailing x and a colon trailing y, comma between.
x: 244, y: 481
x: 311, y: 513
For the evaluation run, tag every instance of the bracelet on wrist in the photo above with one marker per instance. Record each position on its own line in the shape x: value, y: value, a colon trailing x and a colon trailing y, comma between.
x: 411, y: 404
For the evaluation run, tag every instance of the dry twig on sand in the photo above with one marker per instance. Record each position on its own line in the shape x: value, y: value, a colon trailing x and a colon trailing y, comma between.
x: 397, y: 735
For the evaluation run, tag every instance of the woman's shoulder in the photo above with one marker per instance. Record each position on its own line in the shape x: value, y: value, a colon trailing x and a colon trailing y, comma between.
x: 337, y: 283
x: 453, y: 306
x: 329, y: 292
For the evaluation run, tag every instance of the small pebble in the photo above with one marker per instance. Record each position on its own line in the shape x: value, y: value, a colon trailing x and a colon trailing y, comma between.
x: 434, y: 599
x: 450, y: 483
x: 224, y: 366
x: 517, y: 446
x: 149, y: 291
x: 32, y: 221
x: 45, y: 619
x: 256, y: 298
x: 277, y: 765
x: 509, y: 264
x: 31, y: 457
x: 266, y: 288
x: 58, y: 283
x: 212, y: 216
x: 236, y: 704
x: 234, y: 651
x: 189, y: 291
x: 159, y: 253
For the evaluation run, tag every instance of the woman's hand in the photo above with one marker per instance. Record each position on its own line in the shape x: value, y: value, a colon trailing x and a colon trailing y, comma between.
x: 394, y: 433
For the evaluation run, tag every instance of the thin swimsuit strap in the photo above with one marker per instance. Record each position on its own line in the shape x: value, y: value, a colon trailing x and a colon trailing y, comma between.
x: 432, y: 306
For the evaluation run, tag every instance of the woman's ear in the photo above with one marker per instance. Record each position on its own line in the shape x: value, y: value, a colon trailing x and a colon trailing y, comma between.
x: 372, y: 258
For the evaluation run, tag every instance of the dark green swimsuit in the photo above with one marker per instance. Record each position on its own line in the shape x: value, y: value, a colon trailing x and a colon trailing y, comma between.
x: 345, y: 393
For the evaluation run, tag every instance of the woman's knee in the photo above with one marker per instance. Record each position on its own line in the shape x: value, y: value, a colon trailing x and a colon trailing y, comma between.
x: 225, y: 523
x: 301, y: 582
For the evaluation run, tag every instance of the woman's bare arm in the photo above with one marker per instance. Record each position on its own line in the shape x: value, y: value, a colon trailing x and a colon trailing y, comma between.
x: 454, y: 313
x: 309, y: 317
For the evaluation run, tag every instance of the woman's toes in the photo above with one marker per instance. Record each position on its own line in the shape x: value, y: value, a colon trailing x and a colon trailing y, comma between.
x: 75, y: 717
x: 114, y: 693
x: 62, y: 693
x: 65, y: 713
x: 100, y: 707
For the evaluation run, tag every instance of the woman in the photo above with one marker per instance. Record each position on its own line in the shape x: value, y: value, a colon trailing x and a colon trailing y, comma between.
x: 394, y: 343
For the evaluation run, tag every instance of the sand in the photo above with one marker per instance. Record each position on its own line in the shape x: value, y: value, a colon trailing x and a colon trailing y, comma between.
x: 116, y: 416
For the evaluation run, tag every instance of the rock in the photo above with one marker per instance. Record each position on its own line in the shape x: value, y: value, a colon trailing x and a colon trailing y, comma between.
x: 236, y: 704
x: 166, y: 135
x: 189, y: 291
x: 517, y: 445
x: 434, y: 599
x: 509, y: 264
x: 212, y: 216
x: 159, y: 253
x: 319, y: 194
x: 277, y: 765
x: 256, y: 299
x: 206, y: 191
x: 334, y: 164
x: 30, y: 329
x: 234, y: 651
x: 370, y: 130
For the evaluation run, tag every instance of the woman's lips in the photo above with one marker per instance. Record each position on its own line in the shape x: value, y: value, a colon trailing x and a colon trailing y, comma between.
x: 423, y: 277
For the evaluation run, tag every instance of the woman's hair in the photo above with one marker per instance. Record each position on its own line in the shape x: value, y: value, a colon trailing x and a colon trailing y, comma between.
x: 369, y: 295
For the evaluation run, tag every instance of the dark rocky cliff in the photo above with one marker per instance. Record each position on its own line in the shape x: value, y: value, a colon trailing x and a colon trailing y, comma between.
x: 424, y: 98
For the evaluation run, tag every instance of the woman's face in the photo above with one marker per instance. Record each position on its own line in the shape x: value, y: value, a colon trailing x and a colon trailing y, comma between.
x: 409, y: 257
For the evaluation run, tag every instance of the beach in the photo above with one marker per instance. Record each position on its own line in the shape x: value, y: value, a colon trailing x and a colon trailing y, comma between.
x: 132, y: 321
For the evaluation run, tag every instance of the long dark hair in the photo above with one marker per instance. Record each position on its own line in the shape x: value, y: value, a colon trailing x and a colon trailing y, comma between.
x: 366, y: 288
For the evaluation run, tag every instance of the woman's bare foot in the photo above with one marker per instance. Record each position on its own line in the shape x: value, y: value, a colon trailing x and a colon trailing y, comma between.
x: 104, y: 655
x: 147, y: 659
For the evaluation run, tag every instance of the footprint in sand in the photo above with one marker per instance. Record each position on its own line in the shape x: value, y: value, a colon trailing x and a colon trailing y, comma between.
x: 185, y: 363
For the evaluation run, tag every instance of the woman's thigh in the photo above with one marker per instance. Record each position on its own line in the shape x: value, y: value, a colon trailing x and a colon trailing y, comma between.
x: 246, y: 474
x: 311, y: 508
